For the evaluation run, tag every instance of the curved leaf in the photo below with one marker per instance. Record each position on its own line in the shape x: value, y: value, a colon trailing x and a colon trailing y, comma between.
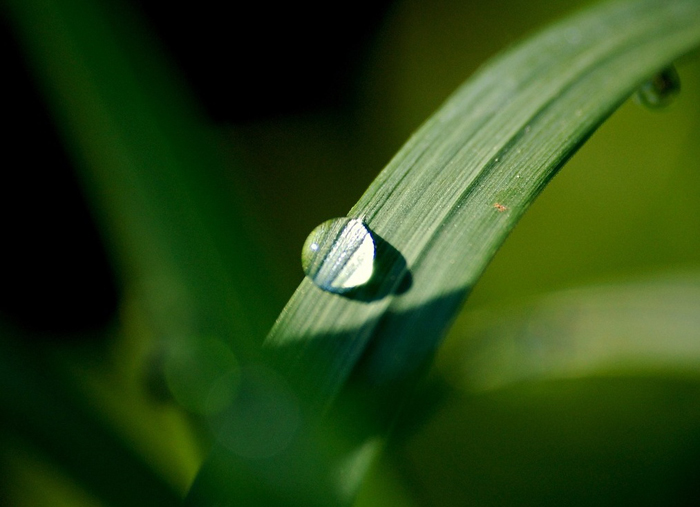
x: 449, y: 198
x: 438, y: 213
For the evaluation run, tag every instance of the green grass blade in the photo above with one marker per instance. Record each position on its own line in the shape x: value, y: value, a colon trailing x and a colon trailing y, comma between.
x: 452, y: 194
x: 154, y: 169
x: 650, y: 326
x: 441, y: 208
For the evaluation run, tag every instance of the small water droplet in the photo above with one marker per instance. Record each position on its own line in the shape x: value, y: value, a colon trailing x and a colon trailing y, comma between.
x: 338, y: 255
x: 660, y: 90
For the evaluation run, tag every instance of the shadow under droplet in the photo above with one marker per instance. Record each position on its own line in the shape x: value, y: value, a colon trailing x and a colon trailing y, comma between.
x: 390, y: 276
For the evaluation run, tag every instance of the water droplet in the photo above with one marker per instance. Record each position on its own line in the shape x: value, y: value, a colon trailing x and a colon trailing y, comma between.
x: 660, y: 90
x: 338, y: 255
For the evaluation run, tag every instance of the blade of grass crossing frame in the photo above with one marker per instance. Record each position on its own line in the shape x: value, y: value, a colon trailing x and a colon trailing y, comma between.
x: 451, y: 195
x: 440, y: 210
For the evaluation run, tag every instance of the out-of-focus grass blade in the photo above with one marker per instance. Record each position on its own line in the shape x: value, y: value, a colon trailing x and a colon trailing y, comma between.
x: 451, y: 195
x: 161, y: 188
x: 642, y: 327
x: 154, y: 169
x: 601, y: 379
x: 34, y: 405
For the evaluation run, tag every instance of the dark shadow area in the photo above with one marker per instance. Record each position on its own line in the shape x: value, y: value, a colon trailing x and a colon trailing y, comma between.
x: 257, y: 60
x: 38, y: 411
x: 384, y: 365
x: 55, y: 276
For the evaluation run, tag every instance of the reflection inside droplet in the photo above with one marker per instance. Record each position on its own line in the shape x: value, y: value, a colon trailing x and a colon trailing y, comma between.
x: 660, y: 90
x: 338, y: 255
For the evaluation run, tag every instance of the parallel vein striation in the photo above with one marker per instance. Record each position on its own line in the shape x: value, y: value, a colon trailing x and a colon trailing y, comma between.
x: 451, y: 195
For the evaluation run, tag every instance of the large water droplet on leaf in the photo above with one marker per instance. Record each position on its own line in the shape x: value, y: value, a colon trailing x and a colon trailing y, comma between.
x: 660, y: 90
x: 338, y: 255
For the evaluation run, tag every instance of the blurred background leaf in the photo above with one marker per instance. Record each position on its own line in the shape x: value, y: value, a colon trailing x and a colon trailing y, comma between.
x: 649, y: 326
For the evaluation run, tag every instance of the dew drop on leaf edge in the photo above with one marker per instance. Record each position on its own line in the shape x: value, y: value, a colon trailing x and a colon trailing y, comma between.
x: 660, y: 90
x: 338, y: 255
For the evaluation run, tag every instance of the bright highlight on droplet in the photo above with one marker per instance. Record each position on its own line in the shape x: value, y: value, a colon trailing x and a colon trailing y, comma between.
x: 660, y: 90
x: 338, y: 255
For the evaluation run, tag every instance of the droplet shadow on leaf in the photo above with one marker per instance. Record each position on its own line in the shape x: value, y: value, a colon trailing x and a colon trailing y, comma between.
x: 390, y: 276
